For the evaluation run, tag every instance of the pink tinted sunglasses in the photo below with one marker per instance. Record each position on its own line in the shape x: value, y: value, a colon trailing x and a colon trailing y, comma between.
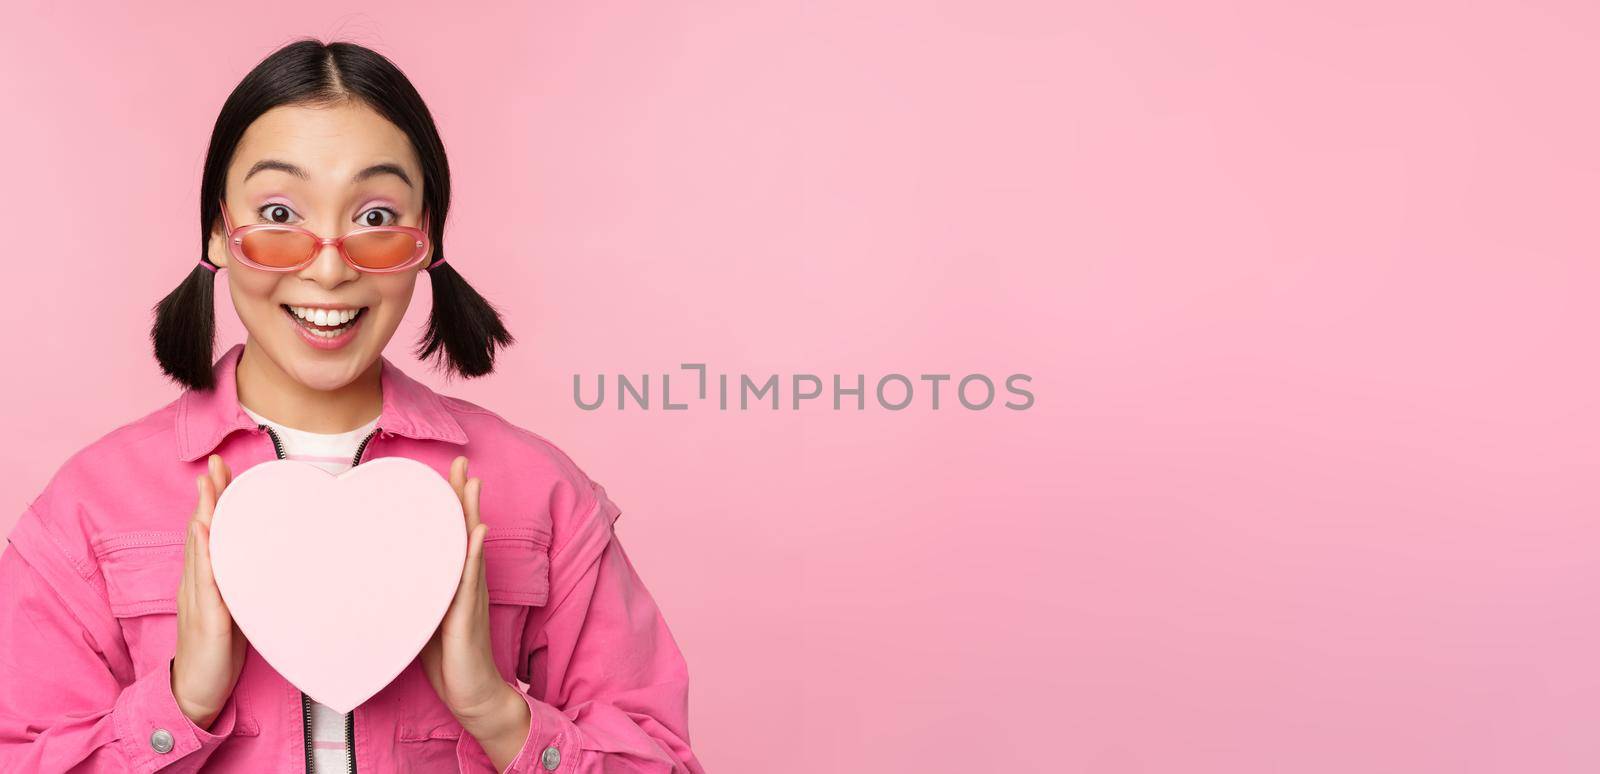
x: 283, y: 248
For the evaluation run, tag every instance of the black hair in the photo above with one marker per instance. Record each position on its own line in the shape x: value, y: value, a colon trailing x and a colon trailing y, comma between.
x: 463, y: 328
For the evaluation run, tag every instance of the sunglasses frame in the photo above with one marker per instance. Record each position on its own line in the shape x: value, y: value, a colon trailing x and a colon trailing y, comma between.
x: 235, y: 239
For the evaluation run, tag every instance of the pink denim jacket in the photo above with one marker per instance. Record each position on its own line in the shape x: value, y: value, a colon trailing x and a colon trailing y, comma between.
x: 88, y: 611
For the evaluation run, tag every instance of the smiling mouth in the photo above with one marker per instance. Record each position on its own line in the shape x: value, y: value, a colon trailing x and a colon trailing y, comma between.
x: 327, y: 323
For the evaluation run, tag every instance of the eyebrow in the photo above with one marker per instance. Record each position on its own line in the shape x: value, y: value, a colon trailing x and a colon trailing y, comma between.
x: 369, y: 172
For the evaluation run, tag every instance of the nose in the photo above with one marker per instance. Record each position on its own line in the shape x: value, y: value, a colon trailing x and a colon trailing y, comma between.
x: 329, y: 269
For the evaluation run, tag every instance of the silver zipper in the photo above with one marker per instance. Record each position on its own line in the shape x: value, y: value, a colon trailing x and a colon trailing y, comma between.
x: 305, y: 701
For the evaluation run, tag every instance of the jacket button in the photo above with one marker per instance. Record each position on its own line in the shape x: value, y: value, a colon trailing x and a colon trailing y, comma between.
x: 550, y: 758
x: 161, y: 741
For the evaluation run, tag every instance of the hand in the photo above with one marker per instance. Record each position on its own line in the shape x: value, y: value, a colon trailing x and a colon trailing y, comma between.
x: 459, y: 658
x: 211, y: 648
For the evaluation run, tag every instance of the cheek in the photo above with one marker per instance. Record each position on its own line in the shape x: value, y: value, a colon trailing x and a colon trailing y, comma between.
x: 395, y: 297
x: 252, y: 293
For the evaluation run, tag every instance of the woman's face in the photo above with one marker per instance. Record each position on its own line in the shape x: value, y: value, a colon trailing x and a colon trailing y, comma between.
x: 314, y: 167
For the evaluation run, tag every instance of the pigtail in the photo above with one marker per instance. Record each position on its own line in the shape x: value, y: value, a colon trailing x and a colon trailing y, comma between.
x: 464, y: 329
x: 185, y: 330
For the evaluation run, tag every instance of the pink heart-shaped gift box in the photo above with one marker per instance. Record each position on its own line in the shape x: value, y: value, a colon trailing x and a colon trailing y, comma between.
x: 338, y: 581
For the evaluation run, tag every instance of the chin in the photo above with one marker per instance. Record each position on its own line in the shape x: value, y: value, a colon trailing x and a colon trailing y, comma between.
x: 330, y: 374
x: 318, y: 369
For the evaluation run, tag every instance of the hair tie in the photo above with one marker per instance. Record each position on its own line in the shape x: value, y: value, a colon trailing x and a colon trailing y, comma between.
x: 207, y: 264
x: 432, y: 264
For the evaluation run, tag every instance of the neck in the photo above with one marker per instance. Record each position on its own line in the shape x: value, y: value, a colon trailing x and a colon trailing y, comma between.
x: 267, y: 390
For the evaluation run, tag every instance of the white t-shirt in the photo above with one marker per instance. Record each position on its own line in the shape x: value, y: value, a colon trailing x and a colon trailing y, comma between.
x: 333, y: 452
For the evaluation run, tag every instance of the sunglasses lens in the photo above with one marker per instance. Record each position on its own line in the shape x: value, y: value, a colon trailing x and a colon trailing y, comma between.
x: 382, y: 249
x: 278, y: 249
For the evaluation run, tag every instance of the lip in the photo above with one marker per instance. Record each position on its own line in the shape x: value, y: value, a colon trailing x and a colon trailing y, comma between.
x: 325, y: 306
x: 319, y: 342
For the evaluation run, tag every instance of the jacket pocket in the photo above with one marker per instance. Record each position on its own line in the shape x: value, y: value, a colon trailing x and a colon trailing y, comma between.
x: 142, y: 571
x: 517, y: 572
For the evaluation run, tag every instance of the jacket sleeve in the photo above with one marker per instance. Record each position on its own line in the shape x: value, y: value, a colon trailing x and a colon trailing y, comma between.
x: 608, y: 686
x: 69, y: 701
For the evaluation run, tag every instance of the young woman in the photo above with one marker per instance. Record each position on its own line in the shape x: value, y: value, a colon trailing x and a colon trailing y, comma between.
x: 325, y: 192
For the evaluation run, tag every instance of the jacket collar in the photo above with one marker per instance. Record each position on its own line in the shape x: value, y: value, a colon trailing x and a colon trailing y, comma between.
x: 409, y: 408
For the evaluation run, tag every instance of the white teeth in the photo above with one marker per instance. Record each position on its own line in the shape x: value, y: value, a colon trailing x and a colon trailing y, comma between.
x: 324, y: 316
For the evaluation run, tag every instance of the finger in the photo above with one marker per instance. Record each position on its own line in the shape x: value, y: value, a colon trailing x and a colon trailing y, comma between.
x: 469, y: 569
x: 473, y: 575
x: 227, y: 475
x: 473, y: 488
x: 467, y: 589
x: 205, y: 581
x: 207, y: 504
x: 483, y: 574
x: 220, y: 474
x: 211, y: 481
x: 186, y: 584
x: 458, y: 475
x: 208, y: 499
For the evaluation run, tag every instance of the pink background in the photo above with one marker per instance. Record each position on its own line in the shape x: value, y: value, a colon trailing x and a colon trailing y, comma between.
x: 1305, y: 289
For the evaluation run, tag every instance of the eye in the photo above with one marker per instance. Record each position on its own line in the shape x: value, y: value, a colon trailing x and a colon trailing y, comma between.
x: 276, y: 213
x: 375, y: 217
